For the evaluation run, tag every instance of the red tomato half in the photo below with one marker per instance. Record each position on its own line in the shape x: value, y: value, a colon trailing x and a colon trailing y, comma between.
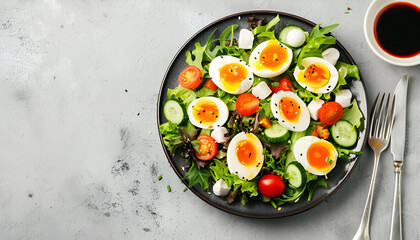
x: 207, y: 149
x: 284, y: 85
x: 247, y: 104
x: 190, y: 77
x: 271, y: 185
x: 330, y: 113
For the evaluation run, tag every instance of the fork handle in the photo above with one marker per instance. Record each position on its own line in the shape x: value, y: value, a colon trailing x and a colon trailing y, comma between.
x: 363, y: 230
x: 396, y: 226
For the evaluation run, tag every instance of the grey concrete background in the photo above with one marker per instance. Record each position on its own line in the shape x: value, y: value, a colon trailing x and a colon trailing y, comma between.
x: 79, y: 150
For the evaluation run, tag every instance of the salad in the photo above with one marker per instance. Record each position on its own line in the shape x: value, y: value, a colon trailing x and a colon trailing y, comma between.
x: 264, y: 117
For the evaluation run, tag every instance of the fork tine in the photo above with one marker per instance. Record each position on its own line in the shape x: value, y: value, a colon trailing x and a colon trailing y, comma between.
x: 385, y: 123
x: 372, y: 116
x: 379, y: 121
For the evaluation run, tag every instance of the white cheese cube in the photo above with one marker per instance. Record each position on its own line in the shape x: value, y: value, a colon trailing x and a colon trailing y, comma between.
x: 314, y: 107
x: 331, y: 55
x: 261, y: 90
x: 343, y: 98
x: 246, y: 39
x: 220, y: 134
x: 220, y: 188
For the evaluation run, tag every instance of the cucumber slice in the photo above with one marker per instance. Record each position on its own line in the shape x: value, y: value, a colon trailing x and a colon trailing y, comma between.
x: 175, y: 112
x: 297, y: 174
x: 285, y: 31
x: 276, y: 133
x: 344, y: 134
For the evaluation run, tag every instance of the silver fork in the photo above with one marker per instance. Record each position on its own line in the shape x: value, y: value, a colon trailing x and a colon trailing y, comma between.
x: 379, y: 135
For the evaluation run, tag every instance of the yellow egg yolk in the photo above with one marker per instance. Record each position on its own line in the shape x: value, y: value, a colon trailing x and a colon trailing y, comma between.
x: 247, y: 153
x: 205, y: 111
x: 315, y: 76
x: 231, y: 76
x: 320, y: 156
x: 273, y: 56
x: 289, y: 109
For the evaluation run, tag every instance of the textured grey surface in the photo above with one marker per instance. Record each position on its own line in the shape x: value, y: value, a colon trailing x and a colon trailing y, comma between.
x: 79, y: 150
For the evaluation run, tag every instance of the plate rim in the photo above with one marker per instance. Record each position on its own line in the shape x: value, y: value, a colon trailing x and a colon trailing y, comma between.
x: 226, y: 209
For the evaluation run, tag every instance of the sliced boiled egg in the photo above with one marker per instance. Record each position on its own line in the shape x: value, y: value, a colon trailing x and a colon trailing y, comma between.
x: 270, y: 59
x: 245, y: 156
x: 208, y: 112
x: 318, y: 75
x: 316, y: 155
x: 290, y: 111
x: 231, y: 74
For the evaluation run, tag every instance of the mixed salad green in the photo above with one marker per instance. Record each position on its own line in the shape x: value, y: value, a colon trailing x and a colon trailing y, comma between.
x: 291, y: 179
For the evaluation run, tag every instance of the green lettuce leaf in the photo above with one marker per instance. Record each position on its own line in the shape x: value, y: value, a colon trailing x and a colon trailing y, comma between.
x: 195, y: 176
x: 186, y: 95
x: 353, y: 114
x: 246, y: 186
x: 204, y: 92
x: 220, y: 171
x: 352, y: 70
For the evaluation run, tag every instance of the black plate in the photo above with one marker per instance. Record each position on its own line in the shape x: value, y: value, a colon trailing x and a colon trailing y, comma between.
x: 256, y: 209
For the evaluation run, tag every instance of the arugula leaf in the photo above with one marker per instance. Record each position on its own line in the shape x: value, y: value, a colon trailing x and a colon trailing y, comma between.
x: 353, y: 115
x: 268, y: 27
x: 225, y: 34
x: 195, y: 176
x: 208, y: 53
x: 316, y: 32
x: 267, y: 35
x: 345, y: 153
x: 317, y: 42
x: 352, y: 70
x: 313, y: 184
x: 228, y: 99
x: 198, y: 57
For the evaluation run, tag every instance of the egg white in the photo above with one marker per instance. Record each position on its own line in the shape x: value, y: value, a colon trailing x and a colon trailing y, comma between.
x: 304, y: 119
x: 300, y: 150
x: 306, y: 62
x: 259, y: 70
x: 219, y: 62
x: 223, y: 113
x: 235, y: 166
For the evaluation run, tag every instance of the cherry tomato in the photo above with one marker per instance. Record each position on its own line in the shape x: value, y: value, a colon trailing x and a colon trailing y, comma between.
x: 271, y: 185
x: 207, y: 149
x: 190, y: 77
x: 210, y: 84
x: 265, y: 122
x: 330, y: 113
x: 284, y: 85
x: 247, y: 104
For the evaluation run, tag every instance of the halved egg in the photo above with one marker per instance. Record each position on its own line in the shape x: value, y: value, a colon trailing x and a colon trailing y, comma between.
x: 270, y: 59
x: 290, y: 111
x: 245, y: 156
x: 316, y: 155
x: 208, y: 112
x: 231, y: 74
x: 319, y: 75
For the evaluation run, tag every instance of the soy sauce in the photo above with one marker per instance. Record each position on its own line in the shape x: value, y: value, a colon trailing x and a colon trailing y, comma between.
x: 397, y: 29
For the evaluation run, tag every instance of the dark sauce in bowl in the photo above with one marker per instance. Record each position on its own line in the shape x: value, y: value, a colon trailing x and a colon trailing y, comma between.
x: 397, y: 29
